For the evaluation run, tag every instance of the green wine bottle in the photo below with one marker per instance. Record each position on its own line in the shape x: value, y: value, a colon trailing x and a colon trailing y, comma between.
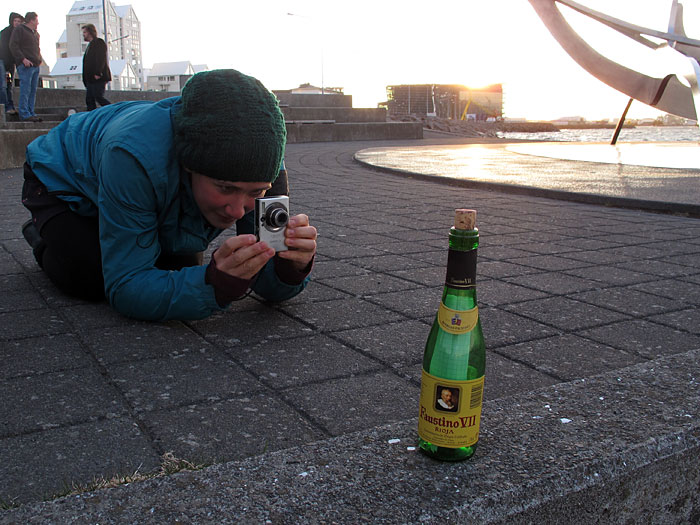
x: 452, y: 383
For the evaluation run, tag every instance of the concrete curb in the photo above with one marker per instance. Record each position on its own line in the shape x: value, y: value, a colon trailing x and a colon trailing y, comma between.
x: 690, y: 210
x: 574, y: 453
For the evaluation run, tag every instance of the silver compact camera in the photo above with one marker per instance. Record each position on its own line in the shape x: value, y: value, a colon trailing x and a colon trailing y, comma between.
x: 271, y: 218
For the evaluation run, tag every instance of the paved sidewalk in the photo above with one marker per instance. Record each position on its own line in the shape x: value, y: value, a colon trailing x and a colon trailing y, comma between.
x: 568, y: 291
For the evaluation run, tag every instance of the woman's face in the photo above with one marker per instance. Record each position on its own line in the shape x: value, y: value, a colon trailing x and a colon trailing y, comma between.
x: 222, y: 202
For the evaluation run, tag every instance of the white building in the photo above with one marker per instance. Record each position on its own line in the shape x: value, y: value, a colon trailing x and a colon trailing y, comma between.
x: 169, y: 76
x: 123, y: 35
x: 67, y: 73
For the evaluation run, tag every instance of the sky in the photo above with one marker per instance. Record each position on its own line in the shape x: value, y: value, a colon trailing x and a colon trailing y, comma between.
x: 365, y: 45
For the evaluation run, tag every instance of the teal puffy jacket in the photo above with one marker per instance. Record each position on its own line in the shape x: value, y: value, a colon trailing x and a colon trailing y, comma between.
x: 118, y: 163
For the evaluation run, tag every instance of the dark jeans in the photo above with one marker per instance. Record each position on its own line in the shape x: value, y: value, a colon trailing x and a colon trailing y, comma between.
x: 5, y: 89
x: 95, y: 92
x: 70, y: 250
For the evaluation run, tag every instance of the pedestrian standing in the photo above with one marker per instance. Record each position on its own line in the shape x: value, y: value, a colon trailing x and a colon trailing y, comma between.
x: 96, y: 71
x: 24, y: 46
x: 7, y: 64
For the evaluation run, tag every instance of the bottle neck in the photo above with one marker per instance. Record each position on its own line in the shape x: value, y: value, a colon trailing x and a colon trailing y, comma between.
x: 461, y: 260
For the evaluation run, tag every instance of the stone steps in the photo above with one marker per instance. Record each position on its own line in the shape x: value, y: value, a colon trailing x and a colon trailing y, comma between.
x: 310, y: 118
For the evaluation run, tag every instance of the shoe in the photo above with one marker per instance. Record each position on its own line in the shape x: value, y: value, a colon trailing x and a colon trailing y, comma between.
x: 36, y: 118
x: 33, y: 238
x: 12, y: 112
x: 31, y: 234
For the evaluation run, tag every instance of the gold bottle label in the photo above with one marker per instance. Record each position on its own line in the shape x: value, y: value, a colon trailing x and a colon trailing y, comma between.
x: 450, y: 411
x: 457, y: 321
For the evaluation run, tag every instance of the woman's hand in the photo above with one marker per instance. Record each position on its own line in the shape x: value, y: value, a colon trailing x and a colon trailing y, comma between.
x: 242, y: 256
x: 300, y: 237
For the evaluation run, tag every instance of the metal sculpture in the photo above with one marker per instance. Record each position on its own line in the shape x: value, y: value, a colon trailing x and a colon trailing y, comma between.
x: 667, y: 94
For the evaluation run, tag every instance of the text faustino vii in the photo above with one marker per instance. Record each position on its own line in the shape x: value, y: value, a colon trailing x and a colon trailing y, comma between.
x: 445, y: 422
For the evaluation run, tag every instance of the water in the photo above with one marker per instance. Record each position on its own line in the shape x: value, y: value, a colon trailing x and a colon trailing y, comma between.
x: 638, y: 134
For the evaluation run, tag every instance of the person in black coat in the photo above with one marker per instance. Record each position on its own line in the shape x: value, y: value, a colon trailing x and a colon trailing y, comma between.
x: 96, y: 71
x: 7, y: 64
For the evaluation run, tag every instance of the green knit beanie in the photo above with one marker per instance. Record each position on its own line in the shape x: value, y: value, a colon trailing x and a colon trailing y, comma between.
x: 229, y: 127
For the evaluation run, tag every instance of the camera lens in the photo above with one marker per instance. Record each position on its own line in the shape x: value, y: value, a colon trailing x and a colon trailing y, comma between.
x: 277, y: 218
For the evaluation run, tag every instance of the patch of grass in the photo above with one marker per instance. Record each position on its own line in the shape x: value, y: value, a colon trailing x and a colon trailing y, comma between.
x: 169, y: 465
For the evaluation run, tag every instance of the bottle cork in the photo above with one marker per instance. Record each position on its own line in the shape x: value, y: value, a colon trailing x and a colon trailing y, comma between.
x: 465, y: 219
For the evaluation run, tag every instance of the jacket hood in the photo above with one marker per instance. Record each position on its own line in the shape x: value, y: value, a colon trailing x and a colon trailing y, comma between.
x: 14, y: 15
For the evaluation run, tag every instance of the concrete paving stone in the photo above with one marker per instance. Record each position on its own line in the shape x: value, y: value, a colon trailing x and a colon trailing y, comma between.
x: 15, y: 283
x: 40, y: 355
x: 406, y: 248
x: 690, y: 260
x: 91, y: 316
x: 22, y: 253
x: 684, y: 320
x: 359, y: 238
x: 661, y: 267
x: 47, y: 401
x: 416, y: 235
x: 569, y: 357
x: 503, y: 269
x: 693, y: 279
x: 678, y: 290
x: 31, y: 323
x: 432, y: 257
x: 44, y: 464
x: 554, y: 283
x: 586, y: 243
x: 316, y: 291
x: 502, y: 327
x: 333, y: 268
x: 138, y: 341
x: 343, y: 249
x: 356, y: 403
x: 525, y: 238
x: 16, y: 301
x: 238, y: 328
x: 372, y: 284
x: 231, y: 429
x: 387, y: 263
x: 498, y: 253
x: 494, y: 293
x: 626, y: 228
x: 372, y: 226
x: 505, y: 377
x: 544, y: 248
x: 52, y: 295
x: 623, y: 239
x: 8, y: 264
x: 610, y: 275
x: 550, y: 262
x: 394, y: 344
x: 565, y: 314
x: 430, y: 276
x: 644, y: 338
x: 342, y: 314
x: 421, y: 302
x: 595, y: 257
x: 628, y: 300
x: 200, y: 376
x: 677, y: 248
x: 295, y: 362
x: 493, y: 230
x: 638, y: 252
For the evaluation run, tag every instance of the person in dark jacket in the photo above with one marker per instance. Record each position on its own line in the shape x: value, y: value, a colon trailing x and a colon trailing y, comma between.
x: 24, y: 46
x: 7, y: 64
x: 96, y: 71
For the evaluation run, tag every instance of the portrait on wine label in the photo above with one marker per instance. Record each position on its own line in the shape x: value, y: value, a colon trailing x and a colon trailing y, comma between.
x: 447, y: 399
